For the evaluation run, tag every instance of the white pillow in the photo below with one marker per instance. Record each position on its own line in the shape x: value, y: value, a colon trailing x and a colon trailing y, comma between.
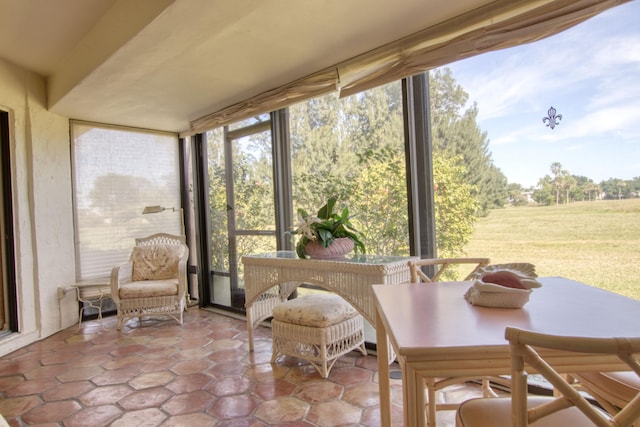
x: 155, y: 262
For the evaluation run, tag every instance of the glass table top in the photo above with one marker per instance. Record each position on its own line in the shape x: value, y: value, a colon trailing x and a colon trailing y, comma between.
x: 356, y: 258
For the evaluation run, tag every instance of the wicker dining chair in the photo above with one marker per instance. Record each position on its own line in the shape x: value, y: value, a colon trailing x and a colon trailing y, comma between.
x: 154, y: 280
x: 433, y: 385
x: 440, y: 266
x: 612, y: 390
x: 568, y: 407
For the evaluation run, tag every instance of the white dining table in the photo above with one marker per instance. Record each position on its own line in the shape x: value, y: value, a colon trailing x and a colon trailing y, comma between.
x: 435, y: 332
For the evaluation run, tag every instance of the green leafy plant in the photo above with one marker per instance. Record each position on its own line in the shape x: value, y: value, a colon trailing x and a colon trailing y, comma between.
x: 326, y: 227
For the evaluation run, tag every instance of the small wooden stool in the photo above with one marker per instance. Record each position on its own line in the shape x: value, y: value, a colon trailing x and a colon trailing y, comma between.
x: 318, y: 328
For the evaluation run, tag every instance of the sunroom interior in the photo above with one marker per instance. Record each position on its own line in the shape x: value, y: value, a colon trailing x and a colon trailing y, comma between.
x: 140, y: 94
x: 111, y: 87
x: 177, y: 71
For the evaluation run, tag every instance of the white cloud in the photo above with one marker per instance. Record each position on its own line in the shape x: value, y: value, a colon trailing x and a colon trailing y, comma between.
x: 590, y: 73
x: 520, y: 78
x: 623, y: 118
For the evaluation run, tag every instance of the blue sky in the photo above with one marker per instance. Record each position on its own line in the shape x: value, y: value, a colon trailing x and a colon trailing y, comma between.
x: 589, y: 73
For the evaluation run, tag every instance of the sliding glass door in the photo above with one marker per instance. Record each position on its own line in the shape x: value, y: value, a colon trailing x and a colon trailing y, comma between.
x: 241, y: 203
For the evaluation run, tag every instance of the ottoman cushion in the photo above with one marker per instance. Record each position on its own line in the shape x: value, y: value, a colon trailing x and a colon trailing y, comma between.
x: 315, y: 310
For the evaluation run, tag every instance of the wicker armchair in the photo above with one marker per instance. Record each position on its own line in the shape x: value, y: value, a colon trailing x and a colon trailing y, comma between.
x: 154, y: 280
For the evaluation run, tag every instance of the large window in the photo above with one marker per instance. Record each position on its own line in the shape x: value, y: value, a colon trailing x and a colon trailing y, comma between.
x: 117, y: 173
x: 353, y: 148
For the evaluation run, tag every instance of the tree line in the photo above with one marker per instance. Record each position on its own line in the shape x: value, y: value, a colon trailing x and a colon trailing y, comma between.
x: 561, y: 187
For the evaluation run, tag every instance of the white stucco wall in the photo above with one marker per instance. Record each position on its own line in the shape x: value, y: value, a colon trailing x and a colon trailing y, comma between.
x: 42, y: 207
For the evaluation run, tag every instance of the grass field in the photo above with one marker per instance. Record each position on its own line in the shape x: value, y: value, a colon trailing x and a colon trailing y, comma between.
x: 597, y: 243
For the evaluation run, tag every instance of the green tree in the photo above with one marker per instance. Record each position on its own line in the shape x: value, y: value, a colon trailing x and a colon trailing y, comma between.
x: 621, y: 185
x: 545, y: 192
x: 615, y: 188
x: 455, y: 205
x: 569, y: 183
x: 633, y: 187
x: 322, y: 159
x: 516, y: 195
x: 583, y: 189
x: 217, y: 201
x: 456, y: 133
x: 356, y: 152
x: 556, y: 170
x: 380, y: 197
x: 354, y: 148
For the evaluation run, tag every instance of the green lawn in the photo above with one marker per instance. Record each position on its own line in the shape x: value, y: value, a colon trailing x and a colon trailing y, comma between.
x: 597, y: 243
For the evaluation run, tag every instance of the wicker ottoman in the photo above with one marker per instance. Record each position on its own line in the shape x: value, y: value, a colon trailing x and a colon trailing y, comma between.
x: 318, y: 328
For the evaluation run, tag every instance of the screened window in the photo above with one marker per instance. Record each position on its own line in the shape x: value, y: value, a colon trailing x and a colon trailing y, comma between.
x: 117, y: 173
x: 353, y: 148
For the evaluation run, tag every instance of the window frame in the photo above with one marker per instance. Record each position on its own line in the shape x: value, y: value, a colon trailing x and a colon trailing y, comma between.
x: 168, y: 223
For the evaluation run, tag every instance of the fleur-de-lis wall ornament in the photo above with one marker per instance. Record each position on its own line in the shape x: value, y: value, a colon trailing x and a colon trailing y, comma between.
x: 553, y: 119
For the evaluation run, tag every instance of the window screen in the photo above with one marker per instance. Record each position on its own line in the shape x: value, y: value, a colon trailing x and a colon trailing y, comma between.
x: 117, y: 173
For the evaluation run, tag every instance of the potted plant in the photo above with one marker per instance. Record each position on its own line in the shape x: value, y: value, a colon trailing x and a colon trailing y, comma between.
x: 327, y: 229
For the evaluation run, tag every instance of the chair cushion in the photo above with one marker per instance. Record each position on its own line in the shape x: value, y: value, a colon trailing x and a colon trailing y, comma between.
x: 496, y: 412
x: 617, y: 387
x: 149, y: 288
x: 315, y: 310
x: 155, y: 262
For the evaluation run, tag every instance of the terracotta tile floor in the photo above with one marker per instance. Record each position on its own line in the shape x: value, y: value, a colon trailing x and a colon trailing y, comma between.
x: 199, y: 374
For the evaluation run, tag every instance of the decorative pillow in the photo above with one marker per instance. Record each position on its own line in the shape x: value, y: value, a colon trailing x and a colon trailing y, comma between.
x: 155, y: 262
x: 315, y: 310
x: 149, y: 289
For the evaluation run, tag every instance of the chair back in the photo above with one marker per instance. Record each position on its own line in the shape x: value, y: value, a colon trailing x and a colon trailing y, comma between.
x: 612, y: 390
x: 525, y: 349
x: 440, y: 265
x: 160, y: 239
